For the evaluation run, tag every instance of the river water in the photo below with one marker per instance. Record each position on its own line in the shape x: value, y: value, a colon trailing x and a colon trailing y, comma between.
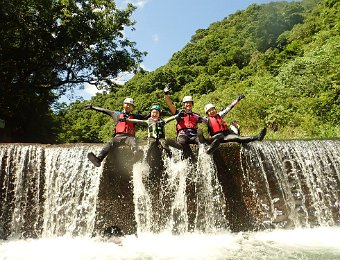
x: 318, y: 243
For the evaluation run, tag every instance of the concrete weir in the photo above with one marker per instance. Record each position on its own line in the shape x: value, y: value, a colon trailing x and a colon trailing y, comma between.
x: 53, y: 190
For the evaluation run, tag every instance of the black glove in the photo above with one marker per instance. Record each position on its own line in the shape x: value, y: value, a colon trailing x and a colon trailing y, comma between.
x: 124, y: 118
x: 88, y: 106
x: 166, y: 90
x: 240, y: 97
x: 180, y: 114
x: 161, y: 123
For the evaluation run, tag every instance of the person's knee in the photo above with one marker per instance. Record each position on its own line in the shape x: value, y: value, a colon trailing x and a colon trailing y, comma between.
x: 182, y: 140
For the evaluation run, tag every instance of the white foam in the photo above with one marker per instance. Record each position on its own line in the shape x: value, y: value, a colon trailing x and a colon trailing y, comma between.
x: 279, y: 244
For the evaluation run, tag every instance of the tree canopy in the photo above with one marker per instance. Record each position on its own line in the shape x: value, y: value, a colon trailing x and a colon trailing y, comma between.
x: 49, y: 47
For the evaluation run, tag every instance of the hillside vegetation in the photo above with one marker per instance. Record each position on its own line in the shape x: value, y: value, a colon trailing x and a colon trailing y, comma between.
x: 284, y: 57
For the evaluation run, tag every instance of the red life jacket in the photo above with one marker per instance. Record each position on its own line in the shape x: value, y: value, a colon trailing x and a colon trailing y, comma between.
x: 188, y: 121
x: 124, y: 127
x: 216, y: 124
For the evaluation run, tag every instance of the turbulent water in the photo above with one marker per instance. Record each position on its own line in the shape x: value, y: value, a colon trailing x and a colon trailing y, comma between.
x: 319, y: 243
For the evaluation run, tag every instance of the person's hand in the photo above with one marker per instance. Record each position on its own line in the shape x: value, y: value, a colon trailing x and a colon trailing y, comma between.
x: 180, y: 114
x: 240, y: 97
x: 166, y: 90
x: 88, y: 106
x: 124, y: 118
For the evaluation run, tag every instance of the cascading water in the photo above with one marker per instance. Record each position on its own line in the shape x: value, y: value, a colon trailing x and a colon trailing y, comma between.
x: 50, y: 196
x: 210, y: 201
x: 177, y: 171
x: 142, y: 200
x: 47, y: 191
x: 294, y: 184
x: 70, y: 193
x: 210, y: 216
x: 21, y: 196
x: 171, y: 195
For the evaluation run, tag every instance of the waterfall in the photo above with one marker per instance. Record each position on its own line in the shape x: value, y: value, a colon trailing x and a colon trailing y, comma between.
x: 293, y: 184
x: 47, y: 190
x: 170, y: 196
x: 21, y: 196
x: 142, y: 199
x: 210, y: 216
x: 71, y: 192
x: 53, y: 190
x: 177, y: 171
x: 173, y: 195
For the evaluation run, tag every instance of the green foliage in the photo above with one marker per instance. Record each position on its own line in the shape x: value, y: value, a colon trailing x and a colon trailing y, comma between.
x: 81, y: 125
x: 48, y: 47
x: 283, y: 56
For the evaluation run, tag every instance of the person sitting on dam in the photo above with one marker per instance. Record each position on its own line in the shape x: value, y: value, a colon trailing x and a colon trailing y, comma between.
x: 187, y: 123
x: 156, y: 130
x: 219, y: 130
x: 124, y: 131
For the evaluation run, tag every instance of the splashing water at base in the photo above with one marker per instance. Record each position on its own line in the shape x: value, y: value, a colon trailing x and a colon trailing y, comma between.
x: 318, y: 243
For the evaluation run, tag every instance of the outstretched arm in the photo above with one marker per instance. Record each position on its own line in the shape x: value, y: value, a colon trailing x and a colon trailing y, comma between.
x: 230, y: 107
x: 169, y: 119
x: 99, y: 109
x: 136, y: 121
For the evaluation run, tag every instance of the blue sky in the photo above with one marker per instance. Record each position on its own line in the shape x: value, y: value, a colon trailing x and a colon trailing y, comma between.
x: 164, y: 27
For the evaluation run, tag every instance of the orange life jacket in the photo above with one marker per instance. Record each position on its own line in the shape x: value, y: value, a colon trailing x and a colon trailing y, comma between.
x: 188, y: 121
x: 124, y: 127
x: 216, y: 124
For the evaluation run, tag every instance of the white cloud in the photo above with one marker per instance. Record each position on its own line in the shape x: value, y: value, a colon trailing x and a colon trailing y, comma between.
x: 138, y: 3
x: 144, y: 67
x: 155, y: 38
x: 91, y: 90
x: 123, y: 77
x: 141, y: 3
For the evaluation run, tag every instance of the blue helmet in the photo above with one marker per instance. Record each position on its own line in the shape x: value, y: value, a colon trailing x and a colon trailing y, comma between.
x: 156, y: 107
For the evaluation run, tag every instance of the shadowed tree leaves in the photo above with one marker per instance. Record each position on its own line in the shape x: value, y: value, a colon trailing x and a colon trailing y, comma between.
x: 49, y: 47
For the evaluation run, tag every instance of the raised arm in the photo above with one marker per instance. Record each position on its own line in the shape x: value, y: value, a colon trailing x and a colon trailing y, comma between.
x: 230, y: 107
x: 168, y: 100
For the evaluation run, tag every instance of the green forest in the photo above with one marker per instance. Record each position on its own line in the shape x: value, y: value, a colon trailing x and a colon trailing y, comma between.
x: 283, y: 56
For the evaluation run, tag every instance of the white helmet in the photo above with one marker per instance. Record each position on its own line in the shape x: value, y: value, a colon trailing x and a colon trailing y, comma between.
x: 188, y: 99
x: 207, y: 107
x: 129, y: 101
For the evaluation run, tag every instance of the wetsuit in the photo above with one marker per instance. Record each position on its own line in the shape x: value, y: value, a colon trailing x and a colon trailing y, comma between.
x: 124, y: 132
x: 224, y: 134
x: 156, y: 131
x: 187, y: 124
